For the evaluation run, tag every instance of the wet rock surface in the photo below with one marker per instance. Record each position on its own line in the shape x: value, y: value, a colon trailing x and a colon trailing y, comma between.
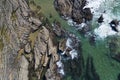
x: 114, y: 24
x: 73, y: 9
x: 100, y: 19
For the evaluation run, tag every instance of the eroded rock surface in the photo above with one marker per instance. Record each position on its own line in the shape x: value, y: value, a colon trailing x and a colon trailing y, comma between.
x: 73, y: 9
x: 30, y: 50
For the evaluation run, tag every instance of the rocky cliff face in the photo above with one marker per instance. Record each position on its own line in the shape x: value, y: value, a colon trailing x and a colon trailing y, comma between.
x: 73, y: 9
x: 30, y: 50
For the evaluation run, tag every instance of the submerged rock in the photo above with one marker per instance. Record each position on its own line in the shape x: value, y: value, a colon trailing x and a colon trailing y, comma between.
x: 114, y: 24
x: 100, y: 19
x: 57, y: 28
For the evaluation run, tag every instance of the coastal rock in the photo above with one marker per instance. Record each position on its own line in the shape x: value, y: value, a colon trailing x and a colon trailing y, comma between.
x: 84, y: 29
x: 57, y: 28
x: 100, y: 19
x: 73, y: 9
x: 114, y: 24
x: 87, y: 14
x: 28, y: 48
x: 74, y: 67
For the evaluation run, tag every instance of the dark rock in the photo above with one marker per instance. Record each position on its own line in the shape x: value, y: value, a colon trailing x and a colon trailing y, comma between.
x: 114, y: 24
x: 59, y: 51
x: 84, y: 30
x: 73, y: 9
x: 57, y: 28
x: 92, y: 40
x: 87, y: 14
x: 100, y: 19
x: 74, y: 67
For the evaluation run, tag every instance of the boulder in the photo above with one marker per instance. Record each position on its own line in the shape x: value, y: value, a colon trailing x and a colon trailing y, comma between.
x: 114, y: 24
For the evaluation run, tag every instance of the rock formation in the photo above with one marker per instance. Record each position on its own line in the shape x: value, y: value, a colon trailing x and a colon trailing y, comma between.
x: 114, y: 24
x: 30, y: 47
x: 100, y: 19
x: 73, y: 9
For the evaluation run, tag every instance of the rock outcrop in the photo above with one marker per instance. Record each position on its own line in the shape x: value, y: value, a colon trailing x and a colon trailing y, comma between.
x: 30, y: 46
x: 114, y: 24
x: 100, y: 19
x: 73, y: 9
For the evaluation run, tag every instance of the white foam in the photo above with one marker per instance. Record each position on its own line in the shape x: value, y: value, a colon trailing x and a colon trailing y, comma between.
x: 73, y: 53
x: 70, y: 22
x: 97, y: 8
x: 59, y: 64
x: 68, y: 43
x: 104, y: 30
x: 62, y: 72
x: 60, y: 67
x: 94, y: 4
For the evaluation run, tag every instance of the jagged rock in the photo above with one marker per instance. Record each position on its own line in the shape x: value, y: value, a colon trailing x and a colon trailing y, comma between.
x: 85, y: 29
x: 73, y: 9
x: 63, y: 7
x: 57, y: 29
x: 100, y: 19
x: 62, y: 44
x: 28, y: 48
x: 46, y: 55
x: 87, y: 14
x: 114, y: 24
x: 75, y: 66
